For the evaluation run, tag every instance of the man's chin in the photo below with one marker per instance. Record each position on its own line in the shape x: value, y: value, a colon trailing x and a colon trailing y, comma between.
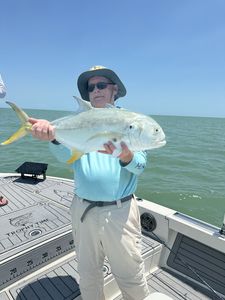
x: 99, y: 102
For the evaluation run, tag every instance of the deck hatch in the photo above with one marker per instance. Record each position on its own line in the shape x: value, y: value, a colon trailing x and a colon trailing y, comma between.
x: 206, y: 261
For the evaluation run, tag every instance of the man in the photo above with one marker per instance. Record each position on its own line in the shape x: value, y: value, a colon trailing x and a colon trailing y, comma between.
x: 105, y: 215
x: 3, y: 201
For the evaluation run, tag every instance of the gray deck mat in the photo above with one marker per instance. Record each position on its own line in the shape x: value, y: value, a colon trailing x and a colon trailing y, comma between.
x: 37, y: 217
x: 208, y: 262
x: 36, y: 230
x: 29, y: 214
x: 173, y: 286
x: 61, y: 281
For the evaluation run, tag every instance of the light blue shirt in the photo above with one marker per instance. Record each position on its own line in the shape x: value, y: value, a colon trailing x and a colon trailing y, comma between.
x: 101, y: 177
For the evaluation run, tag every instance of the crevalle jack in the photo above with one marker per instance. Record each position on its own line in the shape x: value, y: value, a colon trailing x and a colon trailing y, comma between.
x: 89, y: 128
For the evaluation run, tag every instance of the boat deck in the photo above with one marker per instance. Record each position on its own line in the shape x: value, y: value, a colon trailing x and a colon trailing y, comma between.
x: 37, y: 252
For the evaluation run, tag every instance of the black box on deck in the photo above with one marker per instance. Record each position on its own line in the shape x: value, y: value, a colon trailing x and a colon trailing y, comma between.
x: 32, y: 168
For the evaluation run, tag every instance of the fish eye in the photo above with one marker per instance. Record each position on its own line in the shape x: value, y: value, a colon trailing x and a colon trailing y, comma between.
x: 131, y: 127
x: 156, y: 130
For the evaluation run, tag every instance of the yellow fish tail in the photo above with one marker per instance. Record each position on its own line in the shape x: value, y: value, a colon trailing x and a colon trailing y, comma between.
x: 23, y: 130
x: 16, y: 136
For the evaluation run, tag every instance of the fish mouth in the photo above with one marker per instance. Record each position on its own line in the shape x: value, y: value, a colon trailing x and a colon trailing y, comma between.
x: 160, y: 143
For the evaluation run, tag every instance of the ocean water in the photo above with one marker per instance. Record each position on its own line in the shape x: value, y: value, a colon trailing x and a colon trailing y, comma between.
x: 187, y: 175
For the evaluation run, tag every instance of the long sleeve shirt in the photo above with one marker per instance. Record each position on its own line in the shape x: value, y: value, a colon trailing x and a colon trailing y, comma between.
x: 102, y: 177
x: 2, y: 88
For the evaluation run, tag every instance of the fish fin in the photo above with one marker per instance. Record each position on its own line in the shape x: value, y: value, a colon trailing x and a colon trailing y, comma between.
x: 20, y: 113
x: 83, y: 105
x: 25, y: 127
x: 76, y: 154
x: 16, y: 136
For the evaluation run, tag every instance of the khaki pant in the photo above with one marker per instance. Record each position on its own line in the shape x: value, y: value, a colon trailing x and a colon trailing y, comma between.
x: 113, y: 232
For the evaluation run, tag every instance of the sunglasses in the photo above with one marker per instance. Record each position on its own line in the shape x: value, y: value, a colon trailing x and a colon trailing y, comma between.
x: 99, y: 85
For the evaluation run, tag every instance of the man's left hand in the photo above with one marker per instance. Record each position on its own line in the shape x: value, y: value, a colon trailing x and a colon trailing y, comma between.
x: 125, y: 155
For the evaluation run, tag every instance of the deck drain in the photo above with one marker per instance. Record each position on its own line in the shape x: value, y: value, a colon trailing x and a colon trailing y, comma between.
x: 106, y: 270
x: 35, y: 232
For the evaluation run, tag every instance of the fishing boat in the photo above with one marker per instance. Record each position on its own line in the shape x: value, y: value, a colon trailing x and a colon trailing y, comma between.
x: 184, y: 257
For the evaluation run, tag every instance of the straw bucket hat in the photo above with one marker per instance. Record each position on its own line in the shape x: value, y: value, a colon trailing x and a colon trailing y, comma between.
x: 82, y: 81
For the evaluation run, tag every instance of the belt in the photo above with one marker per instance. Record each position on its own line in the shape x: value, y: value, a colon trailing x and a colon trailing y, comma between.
x: 103, y: 203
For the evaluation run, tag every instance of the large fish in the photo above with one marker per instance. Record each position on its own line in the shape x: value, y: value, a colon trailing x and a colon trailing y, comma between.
x: 89, y: 128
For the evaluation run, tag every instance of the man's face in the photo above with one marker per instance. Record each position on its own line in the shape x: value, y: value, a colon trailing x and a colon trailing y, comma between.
x: 99, y: 97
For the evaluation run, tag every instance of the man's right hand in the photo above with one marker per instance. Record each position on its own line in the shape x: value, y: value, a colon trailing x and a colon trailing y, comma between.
x: 42, y: 129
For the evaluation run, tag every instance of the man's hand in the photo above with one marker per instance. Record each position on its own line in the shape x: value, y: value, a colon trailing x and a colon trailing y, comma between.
x: 125, y: 155
x: 42, y: 129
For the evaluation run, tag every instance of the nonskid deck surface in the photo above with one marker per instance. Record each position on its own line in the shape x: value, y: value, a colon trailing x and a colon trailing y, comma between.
x: 35, y: 225
x: 37, y: 253
x: 61, y: 282
x: 36, y: 209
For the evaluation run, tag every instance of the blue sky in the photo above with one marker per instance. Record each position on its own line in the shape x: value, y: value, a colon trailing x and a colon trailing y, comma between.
x: 170, y: 54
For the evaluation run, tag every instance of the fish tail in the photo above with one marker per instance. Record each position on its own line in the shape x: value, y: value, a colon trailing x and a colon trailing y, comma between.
x: 25, y: 125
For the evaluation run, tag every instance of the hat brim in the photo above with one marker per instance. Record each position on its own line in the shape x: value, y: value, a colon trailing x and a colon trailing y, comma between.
x: 82, y: 82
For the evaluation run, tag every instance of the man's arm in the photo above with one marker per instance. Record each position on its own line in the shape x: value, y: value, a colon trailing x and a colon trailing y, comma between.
x: 137, y: 164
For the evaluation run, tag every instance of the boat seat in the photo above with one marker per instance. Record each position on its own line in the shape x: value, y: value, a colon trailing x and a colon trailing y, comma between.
x: 158, y: 296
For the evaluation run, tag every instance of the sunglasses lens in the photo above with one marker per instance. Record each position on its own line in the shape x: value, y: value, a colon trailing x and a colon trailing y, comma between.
x: 91, y: 88
x: 99, y: 85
